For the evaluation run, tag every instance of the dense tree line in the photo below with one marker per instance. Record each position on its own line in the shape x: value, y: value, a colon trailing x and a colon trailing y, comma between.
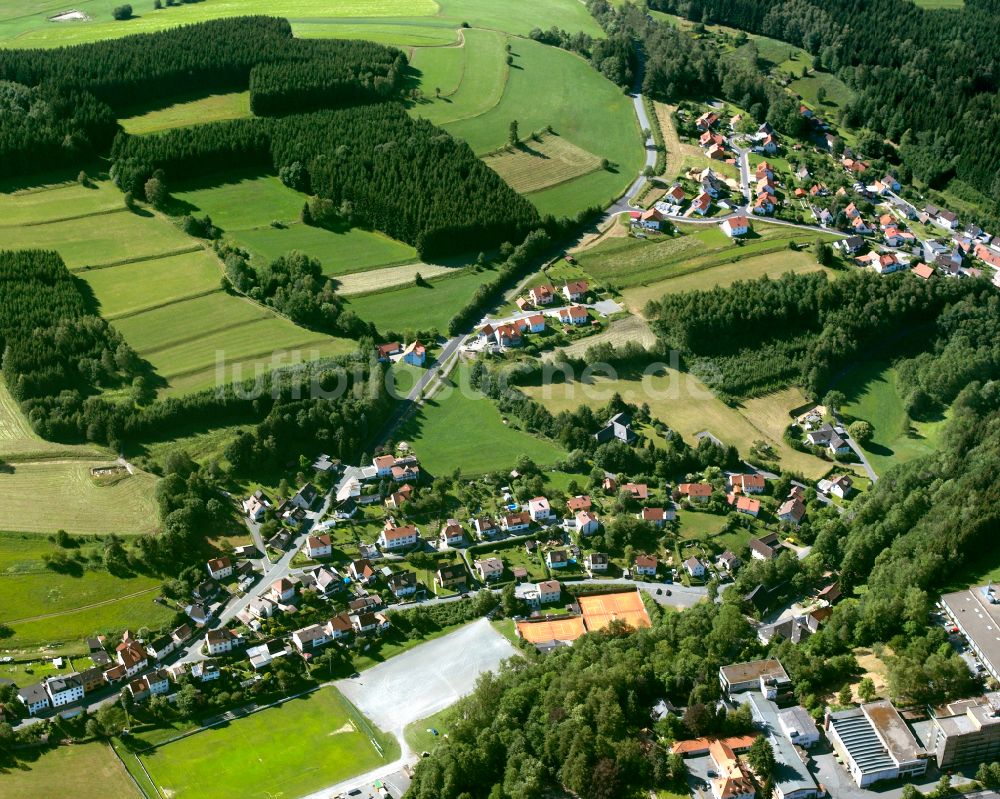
x: 904, y: 65
x: 53, y: 343
x: 58, y: 105
x: 402, y: 176
x: 819, y: 324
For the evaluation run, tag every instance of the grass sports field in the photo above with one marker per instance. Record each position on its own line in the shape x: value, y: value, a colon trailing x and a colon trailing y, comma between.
x: 872, y: 395
x: 93, y: 769
x: 41, y: 605
x: 46, y: 496
x: 290, y: 750
x: 442, y: 430
x: 682, y: 402
x: 536, y: 165
x: 214, y: 108
x: 596, y: 117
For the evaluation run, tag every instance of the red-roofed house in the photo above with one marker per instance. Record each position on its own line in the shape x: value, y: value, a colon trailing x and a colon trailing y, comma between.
x: 923, y: 271
x: 575, y: 290
x: 736, y: 226
x: 573, y: 315
x: 696, y: 492
x: 220, y: 568
x: 701, y: 204
x: 542, y: 295
x: 744, y: 504
x: 384, y: 351
x: 392, y: 538
x: 319, y: 546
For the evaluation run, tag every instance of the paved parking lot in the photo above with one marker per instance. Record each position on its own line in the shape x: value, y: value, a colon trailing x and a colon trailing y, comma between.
x: 429, y: 677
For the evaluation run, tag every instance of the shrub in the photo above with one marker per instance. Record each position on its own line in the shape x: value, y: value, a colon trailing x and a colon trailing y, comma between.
x: 122, y: 12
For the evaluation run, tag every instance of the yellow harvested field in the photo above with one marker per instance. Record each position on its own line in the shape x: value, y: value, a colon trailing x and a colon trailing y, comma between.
x: 680, y: 401
x: 536, y: 165
x: 375, y: 279
x: 619, y: 333
x: 676, y: 152
x: 772, y: 412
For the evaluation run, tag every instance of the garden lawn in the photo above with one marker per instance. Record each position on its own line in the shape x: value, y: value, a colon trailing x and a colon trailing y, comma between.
x: 418, y: 735
x: 24, y: 23
x: 472, y: 78
x: 549, y: 86
x: 93, y: 770
x: 290, y: 750
x: 872, y: 395
x: 680, y: 401
x: 453, y: 431
x: 130, y: 288
x: 60, y: 495
x: 419, y: 307
x: 214, y: 108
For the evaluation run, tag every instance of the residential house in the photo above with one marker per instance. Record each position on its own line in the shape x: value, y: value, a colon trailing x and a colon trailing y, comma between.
x: 596, y: 562
x: 609, y: 484
x: 841, y: 485
x: 706, y: 120
x: 549, y: 592
x: 451, y: 576
x: 701, y: 204
x: 132, y: 656
x: 64, y: 690
x: 452, y: 534
x: 575, y: 290
x: 256, y: 506
x: 657, y: 517
x: 728, y: 561
x: 383, y: 465
x: 520, y: 574
x: 766, y: 186
x: 618, y: 427
x: 339, y: 626
x: 696, y: 492
x: 489, y: 569
x: 34, y: 697
x: 515, y: 522
x: 539, y: 509
x: 205, y: 590
x: 578, y: 503
x: 309, y: 638
x: 384, y: 352
x: 765, y: 548
x: 221, y: 640
x: 507, y: 336
x: 747, y: 483
x: 328, y: 581
x: 763, y: 171
x: 261, y: 608
x: 735, y: 226
x: 92, y: 679
x: 638, y: 491
x: 859, y: 226
x: 405, y: 472
x: 886, y: 264
x: 364, y: 622
x: 763, y: 205
x: 716, y: 152
x: 895, y: 237
x: 709, y: 138
x: 393, y: 538
x: 573, y: 315
x: 645, y: 566
x: 115, y: 674
x: 586, y: 523
x: 282, y: 590
x: 485, y: 527
x: 198, y: 614
x: 791, y: 510
x: 923, y: 271
x: 829, y: 438
x: 557, y: 558
x: 397, y: 498
x: 370, y: 602
x: 206, y: 671
x: 305, y: 497
x: 694, y: 567
x: 851, y: 245
x: 741, y: 503
x: 536, y: 323
x: 160, y: 647
x: 945, y: 219
x: 770, y: 144
x: 794, y: 629
x: 987, y: 254
x: 542, y: 295
x: 403, y: 584
x: 319, y: 546
x: 415, y: 354
x: 675, y: 195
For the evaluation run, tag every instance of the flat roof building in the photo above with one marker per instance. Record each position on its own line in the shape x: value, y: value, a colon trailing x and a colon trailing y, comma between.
x: 976, y: 613
x: 966, y: 732
x: 875, y: 743
x: 755, y: 675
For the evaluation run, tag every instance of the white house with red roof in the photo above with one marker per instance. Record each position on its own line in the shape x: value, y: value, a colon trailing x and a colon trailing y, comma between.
x: 392, y: 538
x: 701, y: 204
x: 539, y: 509
x: 575, y: 290
x: 319, y: 546
x: 542, y: 295
x: 220, y: 568
x: 735, y: 226
x: 573, y: 315
x: 586, y: 523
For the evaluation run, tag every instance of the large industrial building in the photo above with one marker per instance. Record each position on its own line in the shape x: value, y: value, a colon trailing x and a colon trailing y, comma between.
x: 976, y: 613
x: 792, y: 779
x: 875, y: 743
x: 966, y: 732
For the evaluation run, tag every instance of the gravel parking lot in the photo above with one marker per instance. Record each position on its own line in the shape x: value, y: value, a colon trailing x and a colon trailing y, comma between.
x: 429, y: 677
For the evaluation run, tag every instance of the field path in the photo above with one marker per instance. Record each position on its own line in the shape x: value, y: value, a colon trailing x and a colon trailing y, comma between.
x: 79, y: 608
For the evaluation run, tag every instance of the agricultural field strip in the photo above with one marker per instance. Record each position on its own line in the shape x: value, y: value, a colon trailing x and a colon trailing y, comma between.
x: 90, y: 606
x: 537, y: 165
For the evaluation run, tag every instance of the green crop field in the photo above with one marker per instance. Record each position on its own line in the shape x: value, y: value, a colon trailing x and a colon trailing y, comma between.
x: 61, y: 495
x: 290, y: 750
x: 131, y: 288
x: 403, y: 33
x: 838, y: 93
x: 441, y: 432
x: 104, y: 239
x: 873, y: 396
x: 41, y: 605
x: 537, y: 165
x: 595, y: 116
x: 19, y: 442
x: 471, y: 78
x: 419, y: 307
x: 520, y: 16
x: 93, y: 770
x: 59, y: 201
x: 25, y: 23
x: 931, y: 4
x: 214, y: 108
x: 245, y: 206
x: 680, y: 401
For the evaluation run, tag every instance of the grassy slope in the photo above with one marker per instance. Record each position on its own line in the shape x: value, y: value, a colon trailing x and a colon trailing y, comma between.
x: 214, y: 108
x: 289, y: 750
x: 93, y: 770
x: 468, y: 432
x: 873, y: 396
x: 19, y: 442
x: 595, y: 116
